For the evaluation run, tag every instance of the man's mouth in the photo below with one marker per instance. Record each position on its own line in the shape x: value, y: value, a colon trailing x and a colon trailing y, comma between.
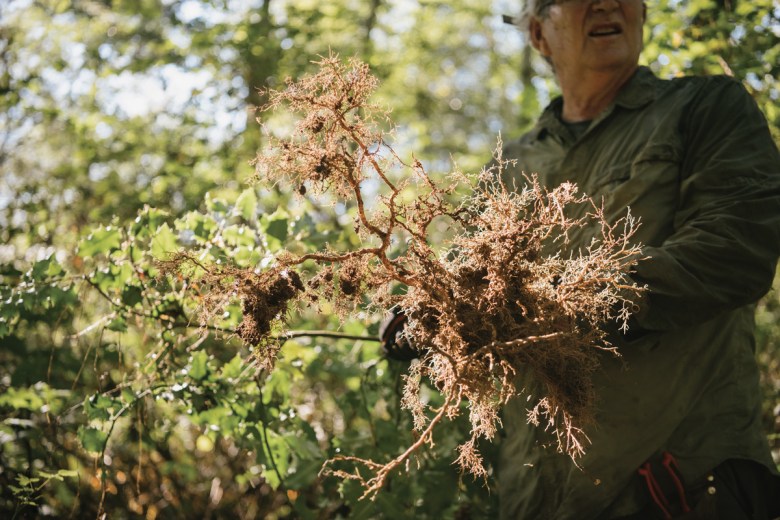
x: 605, y: 30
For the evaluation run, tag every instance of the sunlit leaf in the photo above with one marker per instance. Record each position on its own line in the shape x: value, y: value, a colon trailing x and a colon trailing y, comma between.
x: 101, y: 240
x: 92, y: 439
x: 164, y: 242
x: 199, y: 365
x: 246, y: 204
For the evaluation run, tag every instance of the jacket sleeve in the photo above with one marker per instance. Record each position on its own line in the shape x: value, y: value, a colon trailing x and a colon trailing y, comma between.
x: 726, y: 240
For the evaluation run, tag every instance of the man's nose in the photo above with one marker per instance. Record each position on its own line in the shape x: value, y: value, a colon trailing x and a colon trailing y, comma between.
x: 604, y: 5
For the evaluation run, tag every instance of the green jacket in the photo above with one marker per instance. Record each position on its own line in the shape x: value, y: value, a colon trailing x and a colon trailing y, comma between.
x: 694, y: 160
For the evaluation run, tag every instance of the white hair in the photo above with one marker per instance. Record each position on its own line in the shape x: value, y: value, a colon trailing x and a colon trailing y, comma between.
x: 530, y: 9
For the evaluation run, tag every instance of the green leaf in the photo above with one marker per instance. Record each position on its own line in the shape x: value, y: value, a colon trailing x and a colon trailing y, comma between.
x: 246, y: 204
x: 303, y: 447
x: 22, y: 399
x: 92, y: 439
x: 275, y: 225
x: 279, y: 457
x: 201, y: 225
x: 46, y: 268
x: 102, y: 240
x: 26, y: 481
x: 100, y: 407
x: 391, y: 507
x: 215, y: 417
x: 246, y: 257
x: 118, y: 324
x: 5, y: 330
x: 47, y: 476
x: 233, y: 369
x: 216, y: 205
x: 164, y: 242
x: 132, y: 295
x: 360, y: 509
x: 239, y: 236
x: 128, y: 396
x: 303, y: 474
x: 112, y: 277
x: 199, y: 365
x: 148, y: 221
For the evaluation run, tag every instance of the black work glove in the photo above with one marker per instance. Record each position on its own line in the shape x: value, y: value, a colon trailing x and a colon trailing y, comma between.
x: 395, y: 344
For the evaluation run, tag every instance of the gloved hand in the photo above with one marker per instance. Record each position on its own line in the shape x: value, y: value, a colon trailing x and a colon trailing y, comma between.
x: 395, y: 344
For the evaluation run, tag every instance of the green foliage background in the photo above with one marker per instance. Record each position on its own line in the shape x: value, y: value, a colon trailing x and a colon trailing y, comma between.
x: 125, y: 134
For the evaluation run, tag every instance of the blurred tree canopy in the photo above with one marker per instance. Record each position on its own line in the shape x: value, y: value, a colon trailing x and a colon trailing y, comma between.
x: 127, y: 128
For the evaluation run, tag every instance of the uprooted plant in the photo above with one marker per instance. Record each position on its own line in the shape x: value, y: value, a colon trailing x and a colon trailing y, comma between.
x: 498, y: 300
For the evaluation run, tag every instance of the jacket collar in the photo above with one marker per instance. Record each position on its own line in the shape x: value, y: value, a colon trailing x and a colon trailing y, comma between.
x: 640, y: 90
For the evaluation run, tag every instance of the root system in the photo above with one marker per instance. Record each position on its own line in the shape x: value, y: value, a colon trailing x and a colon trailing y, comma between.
x: 505, y: 298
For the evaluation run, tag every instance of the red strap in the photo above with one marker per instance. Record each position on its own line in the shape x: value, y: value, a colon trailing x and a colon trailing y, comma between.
x: 655, y: 489
x: 670, y: 463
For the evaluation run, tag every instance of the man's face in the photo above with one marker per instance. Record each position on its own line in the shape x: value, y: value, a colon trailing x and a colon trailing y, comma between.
x: 596, y: 35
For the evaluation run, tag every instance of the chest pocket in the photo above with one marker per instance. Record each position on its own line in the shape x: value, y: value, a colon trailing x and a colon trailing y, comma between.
x: 648, y: 184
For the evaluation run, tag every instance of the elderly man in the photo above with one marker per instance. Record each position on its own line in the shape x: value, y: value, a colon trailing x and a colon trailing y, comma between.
x: 678, y: 428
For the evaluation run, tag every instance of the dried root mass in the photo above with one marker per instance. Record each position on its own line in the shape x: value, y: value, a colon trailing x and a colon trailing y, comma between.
x: 503, y: 299
x: 264, y: 297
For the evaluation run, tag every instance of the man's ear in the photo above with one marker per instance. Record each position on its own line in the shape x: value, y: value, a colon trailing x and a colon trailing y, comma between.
x: 537, y: 37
